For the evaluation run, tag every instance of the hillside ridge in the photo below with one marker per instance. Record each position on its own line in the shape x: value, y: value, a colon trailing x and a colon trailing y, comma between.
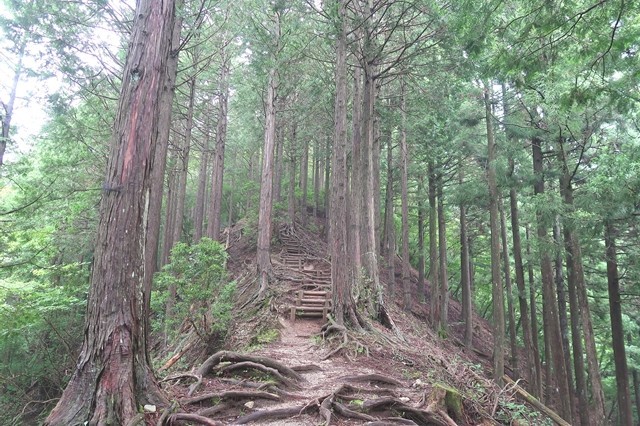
x: 302, y: 371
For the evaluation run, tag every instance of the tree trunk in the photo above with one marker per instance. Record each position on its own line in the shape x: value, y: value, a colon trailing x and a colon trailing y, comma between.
x: 304, y: 179
x: 390, y: 234
x: 8, y: 107
x: 356, y: 181
x: 529, y: 359
x: 370, y: 246
x: 550, y: 303
x: 291, y: 193
x: 578, y: 354
x: 279, y: 162
x: 198, y: 213
x: 170, y: 213
x: 434, y: 275
x: 421, y: 262
x: 465, y: 271
x: 217, y: 173
x: 266, y: 187
x: 442, y: 245
x: 496, y: 277
x: 183, y: 167
x: 562, y: 311
x: 636, y: 388
x: 529, y: 363
x: 112, y: 376
x: 509, y: 288
x: 343, y: 304
x: 158, y: 171
x: 180, y: 195
x: 406, y: 267
x: 582, y: 310
x: 316, y: 177
x: 534, y: 320
x: 617, y: 329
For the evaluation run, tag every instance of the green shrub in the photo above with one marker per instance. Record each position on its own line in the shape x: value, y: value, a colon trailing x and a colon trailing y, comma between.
x: 203, y: 293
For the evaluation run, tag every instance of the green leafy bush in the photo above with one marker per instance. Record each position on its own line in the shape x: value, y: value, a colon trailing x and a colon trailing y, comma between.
x: 193, y: 289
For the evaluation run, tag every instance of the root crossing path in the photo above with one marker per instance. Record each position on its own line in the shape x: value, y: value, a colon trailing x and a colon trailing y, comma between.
x: 292, y: 381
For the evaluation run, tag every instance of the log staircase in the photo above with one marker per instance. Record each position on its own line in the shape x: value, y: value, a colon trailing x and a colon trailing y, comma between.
x: 313, y: 287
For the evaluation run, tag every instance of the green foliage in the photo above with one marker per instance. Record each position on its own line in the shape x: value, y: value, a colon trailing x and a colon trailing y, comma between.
x: 204, y: 297
x: 39, y: 335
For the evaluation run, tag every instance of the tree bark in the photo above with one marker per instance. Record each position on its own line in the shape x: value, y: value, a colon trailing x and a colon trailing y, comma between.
x: 562, y: 311
x: 217, y: 173
x: 198, y: 213
x: 304, y: 179
x: 316, y: 177
x: 496, y: 277
x: 170, y: 211
x: 421, y: 263
x: 465, y: 271
x: 509, y: 288
x: 279, y: 162
x: 356, y: 181
x: 183, y: 167
x: 291, y: 193
x: 112, y: 376
x: 158, y: 171
x: 434, y: 275
x: 266, y: 187
x: 390, y: 231
x: 404, y: 158
x: 550, y: 303
x: 343, y: 304
x: 529, y: 359
x: 582, y: 313
x: 442, y: 246
x: 625, y: 417
x: 180, y: 195
x: 528, y: 362
x: 534, y: 319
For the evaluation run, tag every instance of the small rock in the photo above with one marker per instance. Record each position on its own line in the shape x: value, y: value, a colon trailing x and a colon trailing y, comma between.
x: 404, y: 399
x: 418, y: 384
x: 149, y: 408
x: 249, y: 404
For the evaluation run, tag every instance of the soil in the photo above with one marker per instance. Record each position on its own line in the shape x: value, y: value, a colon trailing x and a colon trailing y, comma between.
x: 382, y: 377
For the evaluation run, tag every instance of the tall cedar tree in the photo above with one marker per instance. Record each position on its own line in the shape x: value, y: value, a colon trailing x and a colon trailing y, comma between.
x: 112, y: 377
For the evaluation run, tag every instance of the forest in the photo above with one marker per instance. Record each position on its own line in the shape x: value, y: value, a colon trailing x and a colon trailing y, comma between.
x: 469, y: 166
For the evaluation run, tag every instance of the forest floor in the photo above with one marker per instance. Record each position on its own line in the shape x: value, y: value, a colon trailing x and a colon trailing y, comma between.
x: 285, y: 372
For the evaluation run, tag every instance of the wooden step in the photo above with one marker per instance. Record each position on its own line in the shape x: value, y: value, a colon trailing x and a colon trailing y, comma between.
x: 314, y: 301
x: 314, y: 293
x: 309, y: 311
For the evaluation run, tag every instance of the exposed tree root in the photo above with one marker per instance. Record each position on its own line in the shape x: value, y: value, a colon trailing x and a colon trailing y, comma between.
x: 260, y: 367
x: 269, y: 387
x: 373, y: 378
x: 179, y: 376
x: 218, y: 408
x: 266, y: 364
x: 306, y: 367
x: 391, y: 421
x: 348, y: 338
x: 421, y: 417
x: 279, y: 413
x: 231, y: 395
x: 190, y: 417
x: 351, y: 414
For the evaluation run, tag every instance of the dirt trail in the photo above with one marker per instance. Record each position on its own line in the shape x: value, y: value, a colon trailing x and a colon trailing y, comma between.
x: 296, y: 347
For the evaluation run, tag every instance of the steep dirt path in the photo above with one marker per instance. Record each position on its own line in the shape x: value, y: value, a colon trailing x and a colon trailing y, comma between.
x: 296, y: 347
